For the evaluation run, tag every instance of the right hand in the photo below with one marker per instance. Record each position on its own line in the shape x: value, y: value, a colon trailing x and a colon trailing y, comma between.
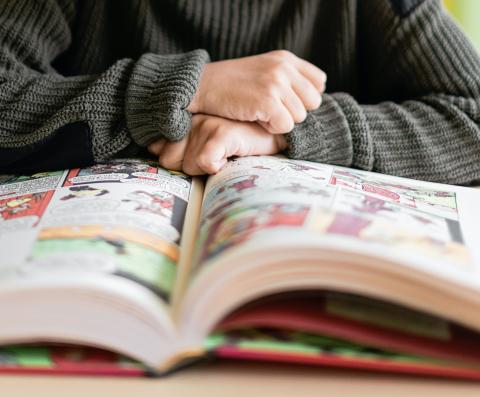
x: 275, y: 89
x: 212, y: 141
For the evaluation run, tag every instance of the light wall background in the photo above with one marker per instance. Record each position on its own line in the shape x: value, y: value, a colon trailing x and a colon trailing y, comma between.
x: 467, y: 14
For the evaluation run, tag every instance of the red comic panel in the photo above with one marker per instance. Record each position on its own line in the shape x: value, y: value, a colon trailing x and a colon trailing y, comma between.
x: 33, y: 204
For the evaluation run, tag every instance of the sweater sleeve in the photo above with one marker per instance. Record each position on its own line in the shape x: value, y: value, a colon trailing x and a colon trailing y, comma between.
x: 121, y: 109
x: 418, y: 114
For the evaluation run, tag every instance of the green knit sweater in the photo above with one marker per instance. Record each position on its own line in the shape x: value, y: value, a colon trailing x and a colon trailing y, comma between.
x: 87, y: 80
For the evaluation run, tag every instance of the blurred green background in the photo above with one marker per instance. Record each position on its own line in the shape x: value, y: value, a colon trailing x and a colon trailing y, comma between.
x: 467, y: 14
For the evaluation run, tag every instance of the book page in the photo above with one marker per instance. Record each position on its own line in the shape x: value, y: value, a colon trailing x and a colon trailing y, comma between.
x: 258, y: 201
x: 187, y: 244
x: 122, y: 218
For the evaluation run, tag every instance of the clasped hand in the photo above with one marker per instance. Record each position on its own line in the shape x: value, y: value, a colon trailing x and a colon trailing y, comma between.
x: 243, y: 107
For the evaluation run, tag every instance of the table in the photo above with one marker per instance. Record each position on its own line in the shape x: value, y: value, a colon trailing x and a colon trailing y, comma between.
x: 231, y: 379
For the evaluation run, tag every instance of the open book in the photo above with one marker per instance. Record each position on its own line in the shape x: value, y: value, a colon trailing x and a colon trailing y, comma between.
x: 270, y: 259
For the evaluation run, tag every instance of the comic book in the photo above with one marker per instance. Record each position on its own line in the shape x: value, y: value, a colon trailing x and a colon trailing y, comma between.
x: 125, y: 268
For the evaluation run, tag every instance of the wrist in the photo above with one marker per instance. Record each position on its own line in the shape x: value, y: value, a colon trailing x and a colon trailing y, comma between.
x: 197, y: 100
x: 194, y: 106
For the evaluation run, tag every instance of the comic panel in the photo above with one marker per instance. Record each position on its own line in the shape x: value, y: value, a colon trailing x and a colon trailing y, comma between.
x: 254, y: 194
x: 23, y: 212
x: 145, y: 208
x: 111, y: 171
x: 132, y: 171
x: 298, y: 168
x: 23, y: 202
x: 119, y: 251
x: 17, y: 185
x: 126, y: 229
x: 231, y: 228
x: 436, y: 202
x: 381, y: 221
x: 254, y: 176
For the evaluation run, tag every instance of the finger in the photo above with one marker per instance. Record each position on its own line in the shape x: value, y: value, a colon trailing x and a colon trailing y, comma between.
x: 156, y: 147
x: 234, y: 139
x: 190, y: 165
x: 207, y: 157
x: 257, y: 141
x: 280, y: 121
x: 172, y: 155
x: 308, y: 94
x: 295, y: 106
x: 220, y: 148
x: 212, y: 157
x: 315, y: 75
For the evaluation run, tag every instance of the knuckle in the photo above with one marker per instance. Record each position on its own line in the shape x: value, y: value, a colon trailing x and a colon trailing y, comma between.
x: 277, y: 76
x: 260, y: 114
x: 283, y: 54
x: 270, y: 90
x: 253, y: 112
x: 269, y: 93
x: 268, y: 108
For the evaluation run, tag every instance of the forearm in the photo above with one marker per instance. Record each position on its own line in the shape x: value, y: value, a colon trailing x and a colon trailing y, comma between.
x: 132, y: 103
x: 421, y: 79
x: 434, y: 138
x: 119, y: 110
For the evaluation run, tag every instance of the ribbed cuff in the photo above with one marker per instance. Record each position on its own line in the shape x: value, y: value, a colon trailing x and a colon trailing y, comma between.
x: 333, y: 134
x: 159, y: 91
x: 359, y: 129
x: 323, y: 136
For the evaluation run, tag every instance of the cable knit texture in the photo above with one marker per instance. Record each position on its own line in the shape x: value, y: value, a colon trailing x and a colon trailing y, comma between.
x: 403, y: 81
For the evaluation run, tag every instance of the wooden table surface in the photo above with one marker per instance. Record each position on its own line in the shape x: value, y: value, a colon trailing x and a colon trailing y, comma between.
x: 230, y: 379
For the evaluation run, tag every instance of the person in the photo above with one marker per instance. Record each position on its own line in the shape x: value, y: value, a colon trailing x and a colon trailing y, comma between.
x: 198, y: 81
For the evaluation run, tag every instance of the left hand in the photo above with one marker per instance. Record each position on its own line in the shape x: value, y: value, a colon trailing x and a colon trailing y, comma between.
x: 211, y: 141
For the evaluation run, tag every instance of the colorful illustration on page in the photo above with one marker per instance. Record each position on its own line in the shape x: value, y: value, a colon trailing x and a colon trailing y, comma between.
x: 237, y: 225
x: 118, y: 229
x: 435, y: 202
x: 23, y: 212
x: 253, y: 177
x: 296, y: 168
x: 132, y: 171
x: 140, y: 257
x: 12, y: 186
x: 111, y: 171
x: 377, y: 221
